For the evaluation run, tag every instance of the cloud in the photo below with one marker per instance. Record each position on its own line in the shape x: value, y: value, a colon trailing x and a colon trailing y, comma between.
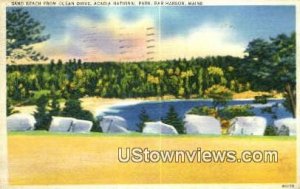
x: 114, y: 39
x: 206, y: 40
x: 109, y: 40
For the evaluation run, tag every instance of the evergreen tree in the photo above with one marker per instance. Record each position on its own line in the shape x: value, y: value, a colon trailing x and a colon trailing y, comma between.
x: 73, y: 109
x: 144, y: 117
x: 173, y: 119
x: 22, y: 33
x: 271, y: 65
x: 42, y: 115
x: 118, y: 80
x: 9, y: 108
x: 55, y: 107
x: 200, y: 82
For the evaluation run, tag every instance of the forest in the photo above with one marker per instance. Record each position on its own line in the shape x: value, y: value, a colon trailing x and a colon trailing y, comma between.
x: 181, y: 78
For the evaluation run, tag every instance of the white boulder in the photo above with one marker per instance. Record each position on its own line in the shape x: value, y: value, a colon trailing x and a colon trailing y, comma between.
x: 81, y: 126
x: 113, y: 124
x: 286, y: 124
x: 20, y: 122
x: 248, y: 125
x: 159, y: 128
x: 117, y: 129
x: 207, y: 125
x: 61, y: 124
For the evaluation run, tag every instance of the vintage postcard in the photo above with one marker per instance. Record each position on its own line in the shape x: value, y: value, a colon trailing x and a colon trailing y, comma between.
x: 143, y: 94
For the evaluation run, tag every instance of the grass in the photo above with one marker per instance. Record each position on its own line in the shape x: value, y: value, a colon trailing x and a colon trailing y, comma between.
x: 137, y: 134
x: 40, y: 157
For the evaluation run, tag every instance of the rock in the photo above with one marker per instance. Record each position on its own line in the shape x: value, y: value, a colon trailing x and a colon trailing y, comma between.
x: 61, y: 124
x: 248, y: 125
x: 159, y: 128
x: 81, y: 126
x: 207, y: 125
x: 286, y: 126
x: 117, y: 129
x: 20, y: 122
x: 113, y: 124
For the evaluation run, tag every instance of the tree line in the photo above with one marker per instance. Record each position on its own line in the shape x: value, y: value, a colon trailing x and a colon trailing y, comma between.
x: 181, y: 78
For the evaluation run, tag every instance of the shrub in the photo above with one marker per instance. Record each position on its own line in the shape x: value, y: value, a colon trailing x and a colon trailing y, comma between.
x: 231, y: 112
x: 270, y: 131
x: 224, y: 114
x: 263, y: 99
x: 219, y: 94
x: 203, y: 110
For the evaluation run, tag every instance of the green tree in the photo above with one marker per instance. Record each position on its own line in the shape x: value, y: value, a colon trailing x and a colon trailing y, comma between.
x: 231, y: 112
x: 9, y: 108
x: 54, y: 107
x: 200, y: 82
x: 173, y: 119
x: 42, y: 115
x: 182, y: 79
x: 216, y: 75
x: 271, y: 65
x: 270, y: 131
x: 220, y: 95
x: 73, y: 109
x: 144, y: 117
x: 22, y: 32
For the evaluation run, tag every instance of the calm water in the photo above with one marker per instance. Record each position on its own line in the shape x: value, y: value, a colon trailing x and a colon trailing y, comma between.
x: 158, y: 109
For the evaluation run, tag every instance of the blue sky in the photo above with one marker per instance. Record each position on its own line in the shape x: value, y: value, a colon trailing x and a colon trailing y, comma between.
x: 234, y: 26
x: 250, y: 21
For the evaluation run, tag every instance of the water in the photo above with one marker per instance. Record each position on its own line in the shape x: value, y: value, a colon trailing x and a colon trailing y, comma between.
x: 158, y: 109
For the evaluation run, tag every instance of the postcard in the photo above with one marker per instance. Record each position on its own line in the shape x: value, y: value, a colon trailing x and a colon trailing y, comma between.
x: 142, y: 94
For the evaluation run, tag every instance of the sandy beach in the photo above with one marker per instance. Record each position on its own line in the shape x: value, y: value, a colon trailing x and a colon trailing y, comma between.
x: 93, y: 104
x: 98, y: 104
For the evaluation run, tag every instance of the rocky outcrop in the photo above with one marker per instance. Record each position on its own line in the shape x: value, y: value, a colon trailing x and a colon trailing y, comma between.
x: 61, y: 124
x: 81, y: 126
x: 113, y: 124
x: 20, y: 122
x: 206, y: 125
x: 159, y: 128
x: 248, y: 125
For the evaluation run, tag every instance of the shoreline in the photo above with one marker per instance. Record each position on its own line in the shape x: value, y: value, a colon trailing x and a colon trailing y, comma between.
x: 97, y: 104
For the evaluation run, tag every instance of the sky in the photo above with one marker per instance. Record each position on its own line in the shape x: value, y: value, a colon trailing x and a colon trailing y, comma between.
x: 96, y: 34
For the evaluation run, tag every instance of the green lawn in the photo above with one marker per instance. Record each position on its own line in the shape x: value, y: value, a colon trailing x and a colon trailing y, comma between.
x: 137, y: 134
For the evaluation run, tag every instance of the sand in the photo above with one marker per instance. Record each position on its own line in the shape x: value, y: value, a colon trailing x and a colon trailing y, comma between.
x: 98, y: 104
x: 93, y: 104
